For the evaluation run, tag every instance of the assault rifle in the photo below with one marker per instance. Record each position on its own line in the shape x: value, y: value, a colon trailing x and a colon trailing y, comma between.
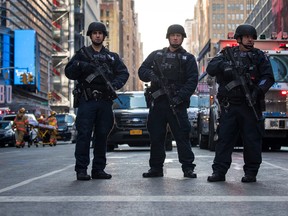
x: 166, y: 91
x: 240, y: 76
x: 101, y: 69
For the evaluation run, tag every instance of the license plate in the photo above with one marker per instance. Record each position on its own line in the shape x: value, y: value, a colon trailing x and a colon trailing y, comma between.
x: 135, y: 132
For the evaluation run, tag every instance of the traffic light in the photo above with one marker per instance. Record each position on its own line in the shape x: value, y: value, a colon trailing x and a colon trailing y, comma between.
x: 30, y: 78
x: 49, y: 95
x: 23, y: 78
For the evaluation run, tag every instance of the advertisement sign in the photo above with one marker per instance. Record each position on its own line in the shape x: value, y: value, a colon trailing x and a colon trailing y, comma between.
x: 24, y: 57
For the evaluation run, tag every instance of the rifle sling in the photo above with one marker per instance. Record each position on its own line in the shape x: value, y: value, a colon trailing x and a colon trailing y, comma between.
x: 157, y: 93
x: 232, y: 85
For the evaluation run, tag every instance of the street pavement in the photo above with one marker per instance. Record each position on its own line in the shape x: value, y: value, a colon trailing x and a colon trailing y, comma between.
x: 41, y: 181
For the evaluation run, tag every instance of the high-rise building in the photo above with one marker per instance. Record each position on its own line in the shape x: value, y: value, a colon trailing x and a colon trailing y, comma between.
x: 32, y: 20
x: 215, y: 19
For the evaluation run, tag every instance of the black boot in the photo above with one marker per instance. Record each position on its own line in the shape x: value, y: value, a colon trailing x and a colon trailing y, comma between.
x: 100, y: 174
x: 215, y: 177
x: 248, y: 179
x: 83, y: 176
x: 153, y: 173
x: 190, y: 174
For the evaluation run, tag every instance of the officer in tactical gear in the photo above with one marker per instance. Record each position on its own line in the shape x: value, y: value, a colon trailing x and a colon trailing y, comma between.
x: 173, y: 74
x: 98, y: 73
x: 244, y: 75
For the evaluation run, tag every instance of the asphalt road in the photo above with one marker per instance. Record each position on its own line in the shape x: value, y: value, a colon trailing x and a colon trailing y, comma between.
x: 41, y: 181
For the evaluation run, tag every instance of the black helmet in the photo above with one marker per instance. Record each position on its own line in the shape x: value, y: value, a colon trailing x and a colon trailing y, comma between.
x: 96, y: 26
x: 245, y: 29
x: 175, y: 29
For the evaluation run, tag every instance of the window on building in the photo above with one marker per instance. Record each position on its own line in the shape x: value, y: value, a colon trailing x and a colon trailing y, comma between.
x: 229, y: 16
x: 107, y: 13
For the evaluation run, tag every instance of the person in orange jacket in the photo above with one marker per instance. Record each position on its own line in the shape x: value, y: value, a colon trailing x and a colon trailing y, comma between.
x: 20, y: 123
x: 52, y: 121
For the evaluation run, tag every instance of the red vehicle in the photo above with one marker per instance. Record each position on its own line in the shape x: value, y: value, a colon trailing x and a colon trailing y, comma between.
x: 276, y: 99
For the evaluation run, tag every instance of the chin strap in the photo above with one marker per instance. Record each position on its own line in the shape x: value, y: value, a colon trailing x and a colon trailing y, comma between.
x: 246, y: 46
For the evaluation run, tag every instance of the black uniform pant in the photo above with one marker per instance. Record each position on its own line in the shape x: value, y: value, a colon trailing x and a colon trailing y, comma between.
x: 234, y: 121
x: 94, y: 115
x: 160, y: 115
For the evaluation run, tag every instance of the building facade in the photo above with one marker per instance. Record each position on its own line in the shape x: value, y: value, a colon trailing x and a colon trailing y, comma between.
x: 26, y: 16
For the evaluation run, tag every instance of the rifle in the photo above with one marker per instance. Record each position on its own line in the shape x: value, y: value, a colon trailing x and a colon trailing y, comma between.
x: 101, y: 69
x: 239, y: 75
x: 166, y: 91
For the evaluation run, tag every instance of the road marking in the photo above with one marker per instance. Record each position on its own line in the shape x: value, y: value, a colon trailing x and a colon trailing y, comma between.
x: 275, y: 166
x: 34, y: 179
x: 8, y: 199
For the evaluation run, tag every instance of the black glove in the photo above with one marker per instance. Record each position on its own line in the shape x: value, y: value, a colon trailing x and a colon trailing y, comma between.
x: 117, y: 85
x: 153, y: 77
x: 176, y: 101
x: 86, y: 67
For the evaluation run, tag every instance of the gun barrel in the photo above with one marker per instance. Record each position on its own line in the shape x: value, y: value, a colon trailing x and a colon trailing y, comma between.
x: 243, y: 84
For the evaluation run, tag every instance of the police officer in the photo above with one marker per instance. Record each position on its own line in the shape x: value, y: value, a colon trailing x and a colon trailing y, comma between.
x: 173, y: 74
x: 237, y: 115
x: 94, y: 99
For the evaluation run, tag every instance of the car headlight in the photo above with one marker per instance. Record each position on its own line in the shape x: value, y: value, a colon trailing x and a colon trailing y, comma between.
x: 8, y: 133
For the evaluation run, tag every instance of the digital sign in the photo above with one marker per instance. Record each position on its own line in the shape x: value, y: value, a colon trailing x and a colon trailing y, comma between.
x: 26, y: 66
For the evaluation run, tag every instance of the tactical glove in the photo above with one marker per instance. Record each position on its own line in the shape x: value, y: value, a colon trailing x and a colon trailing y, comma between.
x: 86, y: 67
x: 176, y: 101
x: 117, y: 85
x: 153, y: 77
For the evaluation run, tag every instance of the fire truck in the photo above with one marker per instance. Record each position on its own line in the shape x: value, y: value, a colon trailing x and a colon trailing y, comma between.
x: 276, y: 99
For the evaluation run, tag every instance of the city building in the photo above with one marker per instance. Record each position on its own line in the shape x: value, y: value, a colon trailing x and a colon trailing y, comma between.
x: 26, y: 48
x: 217, y: 18
x: 269, y: 16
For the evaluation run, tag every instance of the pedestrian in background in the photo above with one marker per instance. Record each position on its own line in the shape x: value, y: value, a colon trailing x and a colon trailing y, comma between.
x: 94, y: 98
x: 20, y: 124
x: 237, y: 115
x: 173, y: 74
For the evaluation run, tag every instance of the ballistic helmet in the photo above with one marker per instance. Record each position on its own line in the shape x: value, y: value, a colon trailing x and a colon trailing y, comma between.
x: 245, y: 29
x: 96, y: 26
x: 21, y: 110
x: 176, y: 29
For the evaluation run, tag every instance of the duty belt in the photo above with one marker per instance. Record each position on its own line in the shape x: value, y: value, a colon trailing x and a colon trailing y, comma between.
x: 95, y: 94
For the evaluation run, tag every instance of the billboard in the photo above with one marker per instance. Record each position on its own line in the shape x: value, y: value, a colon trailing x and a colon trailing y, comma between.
x: 5, y: 66
x: 26, y: 58
x: 279, y: 16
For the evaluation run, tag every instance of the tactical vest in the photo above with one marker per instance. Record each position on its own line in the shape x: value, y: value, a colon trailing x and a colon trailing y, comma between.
x: 228, y: 84
x: 171, y: 64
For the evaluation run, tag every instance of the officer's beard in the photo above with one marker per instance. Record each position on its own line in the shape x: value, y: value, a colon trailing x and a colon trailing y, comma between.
x: 175, y: 46
x: 248, y: 47
x: 95, y: 43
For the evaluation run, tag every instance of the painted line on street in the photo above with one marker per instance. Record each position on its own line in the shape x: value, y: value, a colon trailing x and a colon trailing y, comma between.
x: 275, y: 166
x: 8, y: 199
x: 34, y: 179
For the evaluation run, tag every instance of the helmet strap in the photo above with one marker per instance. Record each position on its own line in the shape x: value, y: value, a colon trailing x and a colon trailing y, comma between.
x: 245, y: 46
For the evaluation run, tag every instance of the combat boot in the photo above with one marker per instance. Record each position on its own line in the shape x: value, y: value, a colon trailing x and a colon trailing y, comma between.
x: 215, y: 177
x: 100, y: 174
x: 190, y: 174
x: 153, y: 173
x: 248, y: 179
x: 83, y: 176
